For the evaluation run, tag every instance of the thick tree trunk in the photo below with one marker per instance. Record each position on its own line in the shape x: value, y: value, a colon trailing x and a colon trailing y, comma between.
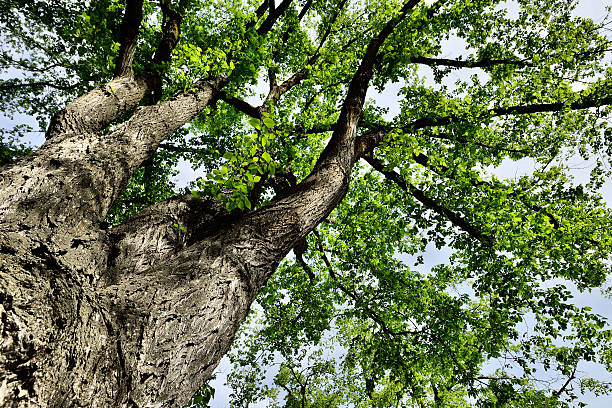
x: 72, y: 335
x: 139, y: 315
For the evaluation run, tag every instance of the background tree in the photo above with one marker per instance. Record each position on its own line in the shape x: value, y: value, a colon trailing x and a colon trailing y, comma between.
x: 118, y: 290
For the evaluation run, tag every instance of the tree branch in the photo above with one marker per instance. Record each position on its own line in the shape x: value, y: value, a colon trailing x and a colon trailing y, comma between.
x: 160, y: 230
x: 262, y: 8
x: 584, y: 103
x: 276, y: 91
x: 481, y: 63
x: 311, y: 275
x: 7, y: 86
x: 128, y: 34
x: 567, y: 383
x: 23, y: 65
x: 93, y: 111
x: 273, y: 15
x: 241, y: 105
x: 311, y: 201
x: 201, y: 291
x: 304, y: 10
x: 150, y: 125
x: 370, y: 140
x: 351, y: 111
x: 170, y: 35
x: 420, y: 195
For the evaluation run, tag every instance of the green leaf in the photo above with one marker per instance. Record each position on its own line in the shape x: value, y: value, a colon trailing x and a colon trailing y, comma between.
x: 268, y: 122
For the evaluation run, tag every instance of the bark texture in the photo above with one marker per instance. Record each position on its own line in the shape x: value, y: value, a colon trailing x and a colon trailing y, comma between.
x: 65, y: 332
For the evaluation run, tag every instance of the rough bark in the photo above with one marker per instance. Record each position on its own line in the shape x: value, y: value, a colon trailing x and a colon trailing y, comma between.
x: 62, y: 332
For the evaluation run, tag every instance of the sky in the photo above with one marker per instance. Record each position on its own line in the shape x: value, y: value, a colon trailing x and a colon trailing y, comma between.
x: 594, y: 9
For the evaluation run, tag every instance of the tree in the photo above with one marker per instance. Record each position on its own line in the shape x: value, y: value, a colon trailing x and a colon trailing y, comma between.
x: 116, y: 290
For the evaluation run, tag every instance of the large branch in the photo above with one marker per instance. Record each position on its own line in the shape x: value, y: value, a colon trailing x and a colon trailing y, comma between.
x: 128, y: 34
x: 136, y: 140
x: 367, y: 145
x: 178, y: 318
x: 185, y: 275
x: 74, y: 133
x: 241, y: 105
x: 161, y: 230
x: 289, y: 219
x: 76, y: 152
x: 78, y: 157
x: 170, y: 35
x: 99, y: 107
x: 99, y: 165
x: 582, y: 103
x: 371, y: 139
x: 273, y: 15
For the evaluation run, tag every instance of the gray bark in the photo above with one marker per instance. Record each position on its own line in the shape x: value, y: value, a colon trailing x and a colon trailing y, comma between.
x: 65, y: 332
x: 139, y: 315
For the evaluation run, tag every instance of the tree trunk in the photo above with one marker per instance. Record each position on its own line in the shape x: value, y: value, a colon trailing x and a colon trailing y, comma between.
x: 135, y: 316
x: 141, y: 314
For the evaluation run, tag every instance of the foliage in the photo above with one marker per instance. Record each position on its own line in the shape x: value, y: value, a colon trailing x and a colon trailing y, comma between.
x: 203, y: 397
x: 495, y: 325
